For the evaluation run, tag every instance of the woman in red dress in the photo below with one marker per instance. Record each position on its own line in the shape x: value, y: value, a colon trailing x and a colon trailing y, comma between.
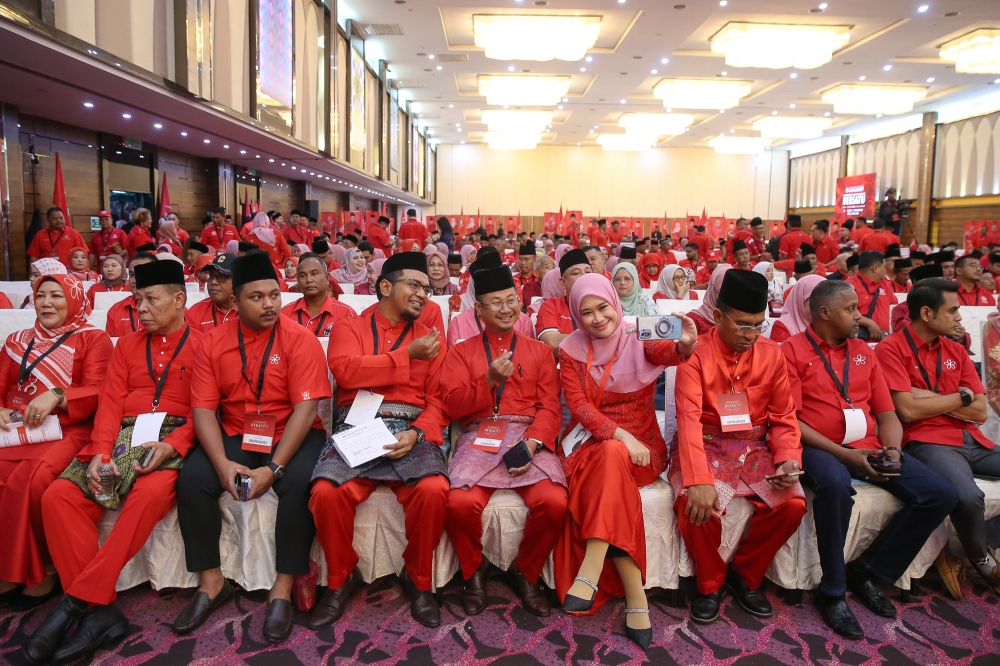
x: 114, y: 277
x: 79, y: 259
x: 608, y: 377
x: 55, y: 368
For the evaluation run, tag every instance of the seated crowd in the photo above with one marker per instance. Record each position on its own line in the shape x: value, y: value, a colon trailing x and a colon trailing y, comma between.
x: 223, y: 398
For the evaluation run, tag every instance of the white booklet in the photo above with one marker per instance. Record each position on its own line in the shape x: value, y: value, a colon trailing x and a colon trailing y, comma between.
x: 363, y: 442
x: 49, y: 431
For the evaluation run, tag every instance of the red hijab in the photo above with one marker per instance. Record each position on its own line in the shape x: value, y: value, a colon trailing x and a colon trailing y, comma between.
x: 650, y: 259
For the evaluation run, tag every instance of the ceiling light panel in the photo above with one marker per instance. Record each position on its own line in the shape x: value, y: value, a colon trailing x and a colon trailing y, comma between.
x: 499, y: 120
x: 511, y: 140
x: 975, y: 53
x: 739, y: 145
x: 626, y: 142
x: 784, y: 127
x: 871, y: 100
x: 779, y: 46
x: 517, y: 90
x: 701, y: 93
x: 535, y: 37
x: 656, y: 124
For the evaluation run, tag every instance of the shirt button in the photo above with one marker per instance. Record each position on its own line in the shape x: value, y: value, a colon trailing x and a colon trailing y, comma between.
x: 161, y: 365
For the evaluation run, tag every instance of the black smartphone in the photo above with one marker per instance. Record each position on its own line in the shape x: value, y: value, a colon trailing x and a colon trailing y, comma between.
x: 790, y: 475
x: 885, y: 467
x: 517, y: 456
x: 243, y: 484
x: 149, y: 457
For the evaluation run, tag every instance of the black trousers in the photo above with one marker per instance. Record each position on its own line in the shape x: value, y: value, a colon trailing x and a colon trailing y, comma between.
x: 200, y: 518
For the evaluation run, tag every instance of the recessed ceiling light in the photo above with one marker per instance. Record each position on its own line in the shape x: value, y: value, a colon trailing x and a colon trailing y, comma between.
x: 664, y: 61
x: 126, y: 116
x: 652, y: 71
x: 431, y: 56
x: 722, y: 110
x: 723, y: 3
x: 887, y: 68
x: 578, y: 143
x: 791, y: 106
x: 930, y: 80
x: 623, y: 101
x: 725, y: 73
x: 827, y: 114
x: 823, y: 6
x: 559, y: 107
x: 207, y: 140
x: 439, y: 67
x: 732, y: 131
x: 257, y: 156
x: 226, y: 146
x: 89, y: 105
x: 774, y: 113
x: 510, y: 68
x: 157, y: 126
x: 243, y: 152
x: 923, y: 8
x: 462, y: 142
x: 583, y: 69
x: 184, y: 133
x: 451, y: 106
x: 861, y: 78
x: 878, y: 115
x: 793, y: 75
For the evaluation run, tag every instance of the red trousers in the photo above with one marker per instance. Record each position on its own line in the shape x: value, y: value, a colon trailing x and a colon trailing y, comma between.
x: 425, y: 504
x: 88, y: 570
x: 546, y: 502
x: 769, y: 529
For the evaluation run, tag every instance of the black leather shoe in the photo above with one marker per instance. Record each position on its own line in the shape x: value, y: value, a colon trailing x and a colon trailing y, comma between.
x: 838, y: 616
x: 101, y: 625
x: 753, y: 601
x: 334, y: 602
x: 705, y: 608
x: 23, y: 602
x: 42, y: 644
x: 535, y: 601
x: 867, y: 591
x: 423, y: 607
x: 474, y: 592
x: 199, y: 608
x: 278, y: 620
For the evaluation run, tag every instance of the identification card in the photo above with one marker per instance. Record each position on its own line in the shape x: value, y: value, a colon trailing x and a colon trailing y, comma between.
x: 855, y: 425
x: 364, y: 408
x: 490, y: 435
x: 147, y: 428
x: 575, y: 438
x: 17, y: 398
x: 734, y: 412
x: 258, y: 432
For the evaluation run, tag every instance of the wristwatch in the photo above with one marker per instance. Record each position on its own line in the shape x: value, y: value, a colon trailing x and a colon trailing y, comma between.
x: 967, y: 398
x: 420, y: 433
x: 278, y: 470
x: 59, y: 393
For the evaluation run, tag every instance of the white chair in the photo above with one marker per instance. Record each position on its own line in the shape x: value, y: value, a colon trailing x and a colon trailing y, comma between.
x: 289, y: 297
x: 973, y: 317
x: 347, y: 287
x: 98, y: 319
x: 442, y: 302
x: 105, y: 299
x: 901, y: 298
x: 192, y: 287
x: 358, y: 301
x: 195, y: 297
x: 16, y: 320
x: 669, y: 306
x: 16, y: 291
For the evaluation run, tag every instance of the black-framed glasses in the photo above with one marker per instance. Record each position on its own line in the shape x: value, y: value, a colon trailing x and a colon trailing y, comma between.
x: 748, y: 330
x: 415, y: 286
x: 511, y: 303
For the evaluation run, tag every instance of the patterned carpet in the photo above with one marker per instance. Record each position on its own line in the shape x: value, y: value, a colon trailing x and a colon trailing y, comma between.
x: 378, y: 630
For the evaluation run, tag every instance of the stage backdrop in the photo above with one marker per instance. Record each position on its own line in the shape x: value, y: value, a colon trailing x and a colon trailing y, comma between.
x: 855, y: 196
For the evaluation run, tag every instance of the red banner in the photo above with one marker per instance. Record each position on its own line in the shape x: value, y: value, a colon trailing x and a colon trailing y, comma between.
x: 551, y: 223
x: 329, y: 223
x: 855, y: 196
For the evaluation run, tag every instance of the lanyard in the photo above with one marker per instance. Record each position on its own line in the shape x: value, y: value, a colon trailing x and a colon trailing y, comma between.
x: 149, y: 365
x: 843, y: 388
x: 975, y: 296
x: 874, y: 295
x: 322, y: 320
x: 48, y: 232
x: 489, y: 362
x: 406, y: 329
x: 215, y: 309
x: 479, y: 325
x: 104, y: 239
x: 604, y: 378
x: 722, y: 366
x: 923, y: 372
x: 28, y: 369
x: 263, y: 361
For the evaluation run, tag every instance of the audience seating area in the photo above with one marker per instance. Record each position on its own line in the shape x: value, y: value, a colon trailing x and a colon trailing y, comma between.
x: 247, y: 543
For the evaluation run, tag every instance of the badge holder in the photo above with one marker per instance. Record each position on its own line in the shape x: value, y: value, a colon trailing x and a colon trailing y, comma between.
x: 734, y: 412
x: 20, y: 397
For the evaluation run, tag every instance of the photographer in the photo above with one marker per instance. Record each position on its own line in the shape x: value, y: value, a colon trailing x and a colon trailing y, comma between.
x: 890, y: 212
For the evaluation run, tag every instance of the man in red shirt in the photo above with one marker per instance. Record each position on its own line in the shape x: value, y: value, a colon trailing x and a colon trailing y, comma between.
x: 264, y: 375
x: 123, y: 316
x: 741, y: 233
x: 525, y: 269
x: 412, y: 229
x: 694, y: 260
x: 757, y: 244
x: 216, y: 310
x: 703, y: 242
x: 861, y: 229
x: 793, y: 238
x: 704, y: 274
x: 615, y: 234
x: 840, y: 397
x: 741, y: 256
x: 57, y: 241
x: 827, y: 249
x: 109, y: 240
x: 132, y: 387
x: 218, y: 234
x: 968, y: 270
x: 391, y: 355
x: 940, y: 399
x: 600, y: 238
x: 503, y: 378
x: 901, y: 276
x: 879, y: 238
x: 316, y: 310
x: 378, y: 236
x: 298, y: 231
x: 554, y: 322
x: 875, y: 296
x: 597, y: 260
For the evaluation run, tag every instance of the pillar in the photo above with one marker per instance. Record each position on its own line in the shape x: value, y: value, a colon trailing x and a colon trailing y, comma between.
x: 920, y: 219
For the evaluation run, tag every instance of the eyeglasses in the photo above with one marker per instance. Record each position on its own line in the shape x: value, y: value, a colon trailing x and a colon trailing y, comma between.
x: 748, y: 330
x: 415, y: 285
x: 511, y: 304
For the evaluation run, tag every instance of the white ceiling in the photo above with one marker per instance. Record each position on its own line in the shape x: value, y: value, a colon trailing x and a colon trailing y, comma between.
x: 638, y: 34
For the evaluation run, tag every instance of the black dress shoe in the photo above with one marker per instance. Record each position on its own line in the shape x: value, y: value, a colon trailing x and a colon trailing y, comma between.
x: 474, y: 592
x: 42, y: 644
x: 199, y: 608
x: 753, y: 601
x: 423, y: 607
x: 577, y: 605
x: 641, y: 637
x: 24, y: 602
x: 535, y: 601
x: 860, y: 582
x: 838, y: 616
x: 101, y: 625
x: 705, y: 608
x: 278, y: 620
x: 7, y: 597
x: 333, y: 604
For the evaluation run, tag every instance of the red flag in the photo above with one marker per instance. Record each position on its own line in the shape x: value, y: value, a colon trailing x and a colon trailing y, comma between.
x: 59, y: 192
x: 561, y: 222
x: 164, y: 198
x: 246, y: 208
x: 704, y: 218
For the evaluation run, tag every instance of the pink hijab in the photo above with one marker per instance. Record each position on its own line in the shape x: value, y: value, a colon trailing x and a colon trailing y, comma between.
x: 338, y: 252
x: 707, y: 308
x: 233, y: 247
x: 262, y: 228
x: 561, y: 250
x: 303, y: 248
x: 631, y: 371
x: 347, y: 273
x: 465, y: 252
x: 551, y: 286
x: 793, y: 312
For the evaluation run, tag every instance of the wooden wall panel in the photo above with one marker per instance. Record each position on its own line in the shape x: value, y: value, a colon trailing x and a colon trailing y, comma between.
x: 193, y: 184
x: 278, y: 193
x: 330, y: 201
x: 948, y: 222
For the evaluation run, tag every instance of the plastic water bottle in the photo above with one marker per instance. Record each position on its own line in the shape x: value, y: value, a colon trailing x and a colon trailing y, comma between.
x: 106, y: 473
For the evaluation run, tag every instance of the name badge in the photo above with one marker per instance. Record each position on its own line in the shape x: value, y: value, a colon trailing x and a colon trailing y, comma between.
x: 576, y: 437
x: 490, y: 435
x: 258, y: 432
x: 147, y: 428
x: 734, y: 412
x: 17, y: 399
x: 855, y: 425
x: 364, y: 408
